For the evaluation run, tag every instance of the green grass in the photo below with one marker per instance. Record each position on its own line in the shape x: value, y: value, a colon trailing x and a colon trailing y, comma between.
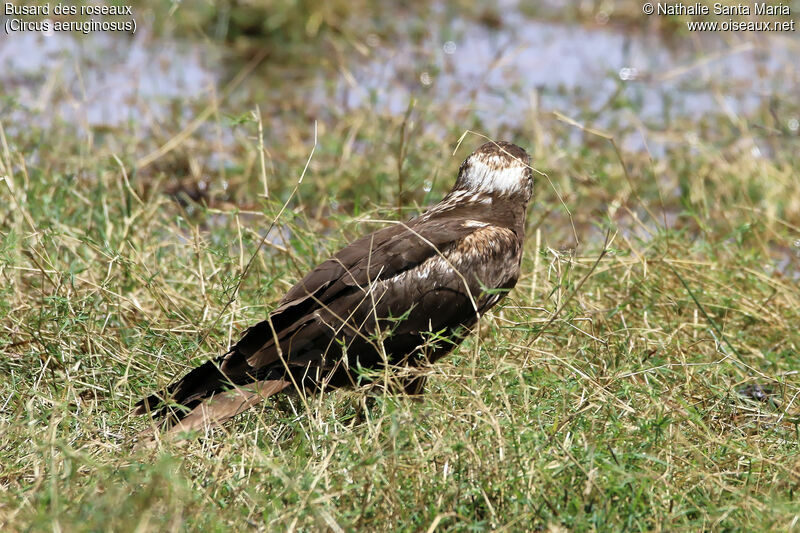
x: 621, y: 412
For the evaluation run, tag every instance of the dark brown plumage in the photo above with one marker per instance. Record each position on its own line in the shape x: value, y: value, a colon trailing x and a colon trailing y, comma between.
x: 376, y: 301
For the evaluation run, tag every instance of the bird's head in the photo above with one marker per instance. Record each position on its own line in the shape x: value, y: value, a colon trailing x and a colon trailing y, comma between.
x: 497, y: 168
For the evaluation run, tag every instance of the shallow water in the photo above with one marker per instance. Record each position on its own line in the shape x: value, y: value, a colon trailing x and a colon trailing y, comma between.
x: 578, y: 71
x: 102, y: 79
x: 460, y: 65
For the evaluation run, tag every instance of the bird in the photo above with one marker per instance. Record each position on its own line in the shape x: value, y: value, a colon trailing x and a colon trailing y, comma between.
x: 401, y: 297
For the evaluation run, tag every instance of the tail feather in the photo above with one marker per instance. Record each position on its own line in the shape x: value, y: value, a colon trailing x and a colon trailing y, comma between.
x: 223, y: 406
x: 217, y: 408
x: 198, y: 383
x: 207, y: 396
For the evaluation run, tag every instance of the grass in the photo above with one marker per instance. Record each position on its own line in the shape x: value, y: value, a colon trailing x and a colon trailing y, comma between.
x: 627, y: 410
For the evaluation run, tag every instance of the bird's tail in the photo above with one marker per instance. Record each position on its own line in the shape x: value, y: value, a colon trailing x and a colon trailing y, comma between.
x: 203, y: 398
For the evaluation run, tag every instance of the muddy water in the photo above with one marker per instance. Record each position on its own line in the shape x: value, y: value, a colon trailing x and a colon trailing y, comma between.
x: 579, y: 71
x: 101, y: 79
x: 464, y: 66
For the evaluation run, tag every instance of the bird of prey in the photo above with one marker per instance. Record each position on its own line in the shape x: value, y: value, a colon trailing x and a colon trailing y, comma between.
x: 403, y: 296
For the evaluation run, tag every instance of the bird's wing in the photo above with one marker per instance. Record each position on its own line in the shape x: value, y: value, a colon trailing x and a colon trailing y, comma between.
x: 433, y: 275
x: 376, y: 257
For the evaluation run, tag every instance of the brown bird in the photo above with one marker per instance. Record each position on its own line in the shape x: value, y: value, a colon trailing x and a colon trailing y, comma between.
x: 400, y: 297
